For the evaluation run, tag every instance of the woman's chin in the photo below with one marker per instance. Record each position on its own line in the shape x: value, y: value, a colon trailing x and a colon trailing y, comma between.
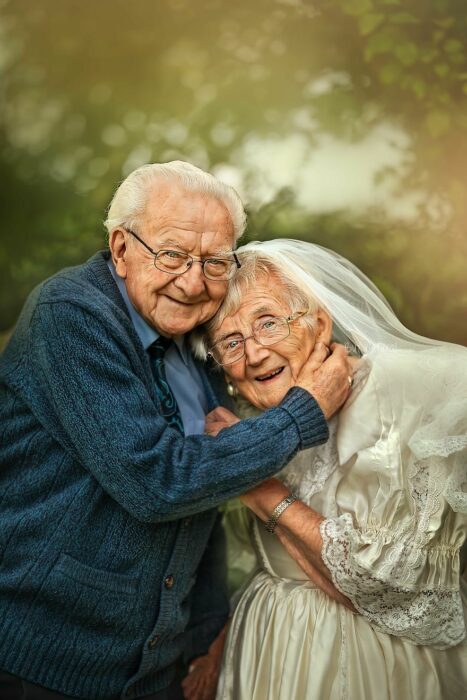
x: 271, y: 399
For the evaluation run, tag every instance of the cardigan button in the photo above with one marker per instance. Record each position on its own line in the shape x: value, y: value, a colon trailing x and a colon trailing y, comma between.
x: 169, y: 581
x: 153, y: 642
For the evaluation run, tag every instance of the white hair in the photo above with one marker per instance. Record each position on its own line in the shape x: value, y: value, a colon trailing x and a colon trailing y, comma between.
x: 256, y: 266
x: 129, y: 202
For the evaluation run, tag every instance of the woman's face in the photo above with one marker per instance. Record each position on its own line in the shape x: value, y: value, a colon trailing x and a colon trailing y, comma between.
x: 265, y: 374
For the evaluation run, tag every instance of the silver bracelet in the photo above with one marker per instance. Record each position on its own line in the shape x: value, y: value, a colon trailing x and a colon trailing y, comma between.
x: 270, y: 525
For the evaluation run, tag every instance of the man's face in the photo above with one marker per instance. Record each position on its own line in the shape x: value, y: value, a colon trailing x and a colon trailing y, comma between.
x: 181, y: 220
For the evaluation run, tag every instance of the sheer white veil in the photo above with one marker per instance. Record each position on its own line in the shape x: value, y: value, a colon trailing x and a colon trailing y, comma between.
x: 362, y: 317
x: 424, y: 380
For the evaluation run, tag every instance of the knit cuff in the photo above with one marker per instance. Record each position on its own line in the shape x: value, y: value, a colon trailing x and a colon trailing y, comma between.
x: 308, y: 416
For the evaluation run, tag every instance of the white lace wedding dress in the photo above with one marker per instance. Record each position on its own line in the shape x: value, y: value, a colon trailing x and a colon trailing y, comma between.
x: 391, y: 483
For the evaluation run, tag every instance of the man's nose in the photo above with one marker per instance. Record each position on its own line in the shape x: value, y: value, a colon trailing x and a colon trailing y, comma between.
x: 193, y: 281
x: 254, y: 352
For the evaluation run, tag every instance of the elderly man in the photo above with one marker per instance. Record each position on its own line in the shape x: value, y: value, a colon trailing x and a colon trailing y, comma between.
x: 111, y: 564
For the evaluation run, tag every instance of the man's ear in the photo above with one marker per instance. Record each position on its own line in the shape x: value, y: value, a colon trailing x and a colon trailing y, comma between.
x: 323, y: 327
x: 118, y: 250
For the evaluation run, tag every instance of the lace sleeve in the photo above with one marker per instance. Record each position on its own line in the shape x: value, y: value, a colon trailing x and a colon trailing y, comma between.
x: 398, y: 586
x: 397, y: 556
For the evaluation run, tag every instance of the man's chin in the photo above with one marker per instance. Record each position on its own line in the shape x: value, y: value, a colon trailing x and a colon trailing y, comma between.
x: 175, y: 329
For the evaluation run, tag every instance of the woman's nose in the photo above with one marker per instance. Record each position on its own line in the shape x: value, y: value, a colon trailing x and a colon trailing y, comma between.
x: 254, y: 352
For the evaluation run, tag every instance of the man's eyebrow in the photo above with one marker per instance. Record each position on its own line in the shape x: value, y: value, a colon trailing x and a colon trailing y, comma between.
x: 169, y: 242
x: 219, y: 253
x: 172, y: 243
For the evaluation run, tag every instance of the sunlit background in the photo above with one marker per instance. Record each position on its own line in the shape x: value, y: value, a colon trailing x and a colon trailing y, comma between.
x: 342, y: 122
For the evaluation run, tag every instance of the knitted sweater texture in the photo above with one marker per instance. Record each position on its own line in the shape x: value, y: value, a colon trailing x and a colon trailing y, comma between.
x: 105, y: 511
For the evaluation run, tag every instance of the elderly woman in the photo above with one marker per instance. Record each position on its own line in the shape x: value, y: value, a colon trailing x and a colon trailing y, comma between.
x: 358, y: 593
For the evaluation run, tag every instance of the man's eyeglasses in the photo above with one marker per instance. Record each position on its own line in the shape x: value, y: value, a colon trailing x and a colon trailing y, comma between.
x: 267, y: 330
x: 175, y: 262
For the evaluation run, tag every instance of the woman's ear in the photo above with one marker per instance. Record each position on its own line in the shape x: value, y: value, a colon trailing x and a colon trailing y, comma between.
x: 323, y: 327
x: 118, y: 249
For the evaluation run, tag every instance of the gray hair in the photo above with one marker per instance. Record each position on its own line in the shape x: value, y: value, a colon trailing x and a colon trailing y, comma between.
x: 130, y: 199
x: 256, y: 266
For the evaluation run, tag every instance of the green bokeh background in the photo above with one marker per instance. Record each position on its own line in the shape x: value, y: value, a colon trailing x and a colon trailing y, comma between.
x: 342, y: 122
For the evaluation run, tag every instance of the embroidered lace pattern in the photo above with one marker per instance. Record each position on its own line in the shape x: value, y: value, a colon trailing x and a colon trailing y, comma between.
x: 309, y: 470
x: 425, y: 615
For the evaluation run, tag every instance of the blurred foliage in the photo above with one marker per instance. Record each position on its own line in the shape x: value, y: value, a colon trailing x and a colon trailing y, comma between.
x: 257, y: 92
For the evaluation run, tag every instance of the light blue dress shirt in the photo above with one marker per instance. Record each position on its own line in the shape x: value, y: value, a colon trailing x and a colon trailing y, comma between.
x: 182, y: 373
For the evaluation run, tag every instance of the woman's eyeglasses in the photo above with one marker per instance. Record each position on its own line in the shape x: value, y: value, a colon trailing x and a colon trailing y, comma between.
x: 267, y: 331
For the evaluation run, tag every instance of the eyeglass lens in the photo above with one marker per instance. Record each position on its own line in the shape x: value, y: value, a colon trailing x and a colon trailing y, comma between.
x: 176, y: 262
x: 265, y: 331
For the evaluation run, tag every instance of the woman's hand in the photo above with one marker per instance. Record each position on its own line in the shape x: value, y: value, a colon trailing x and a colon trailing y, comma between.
x: 298, y: 531
x: 203, y: 673
x: 218, y: 419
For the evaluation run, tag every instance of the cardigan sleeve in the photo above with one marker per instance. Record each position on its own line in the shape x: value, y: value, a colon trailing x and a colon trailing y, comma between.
x: 89, y: 387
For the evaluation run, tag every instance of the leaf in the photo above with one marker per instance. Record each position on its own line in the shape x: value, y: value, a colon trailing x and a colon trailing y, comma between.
x: 445, y: 22
x: 437, y: 36
x: 453, y: 46
x: 428, y: 56
x: 390, y: 73
x: 457, y: 59
x: 418, y: 87
x: 442, y: 69
x: 438, y: 122
x: 381, y: 42
x: 404, y: 18
x: 356, y: 7
x: 407, y: 53
x: 369, y: 22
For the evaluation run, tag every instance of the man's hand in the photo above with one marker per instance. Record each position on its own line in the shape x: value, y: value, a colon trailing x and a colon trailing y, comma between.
x: 218, y: 419
x: 203, y: 673
x: 327, y: 378
x: 201, y: 682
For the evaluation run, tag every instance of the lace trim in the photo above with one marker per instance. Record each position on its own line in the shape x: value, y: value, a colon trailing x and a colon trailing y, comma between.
x: 426, y: 478
x: 443, y: 447
x: 309, y: 470
x: 429, y: 616
x: 455, y: 491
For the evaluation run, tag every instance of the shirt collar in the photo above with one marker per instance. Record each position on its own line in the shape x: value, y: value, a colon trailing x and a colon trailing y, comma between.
x: 146, y: 333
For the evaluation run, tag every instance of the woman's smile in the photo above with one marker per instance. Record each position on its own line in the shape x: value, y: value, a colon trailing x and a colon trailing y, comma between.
x: 270, y: 376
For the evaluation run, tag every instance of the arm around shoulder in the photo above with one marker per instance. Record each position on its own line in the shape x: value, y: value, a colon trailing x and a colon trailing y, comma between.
x: 93, y: 391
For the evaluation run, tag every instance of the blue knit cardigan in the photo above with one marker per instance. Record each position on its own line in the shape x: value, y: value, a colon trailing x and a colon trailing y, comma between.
x: 105, y: 511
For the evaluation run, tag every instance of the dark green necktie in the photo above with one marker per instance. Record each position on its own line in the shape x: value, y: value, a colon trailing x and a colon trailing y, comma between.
x: 170, y: 409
